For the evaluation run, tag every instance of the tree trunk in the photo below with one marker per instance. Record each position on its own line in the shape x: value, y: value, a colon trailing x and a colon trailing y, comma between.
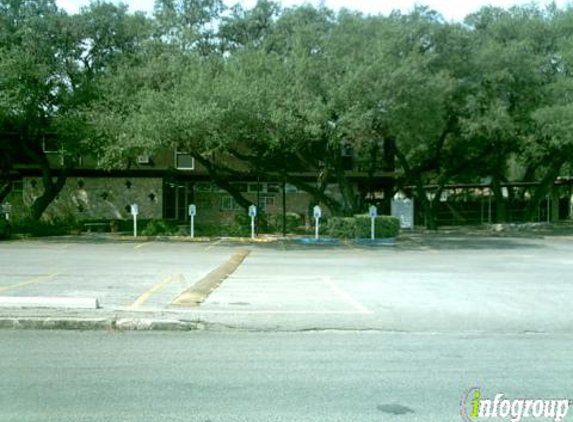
x: 541, y: 192
x: 430, y: 207
x: 431, y: 215
x: 31, y: 146
x: 500, y: 202
x: 5, y: 190
x: 389, y: 165
x: 349, y: 205
x: 51, y: 190
x: 223, y: 183
x: 318, y: 194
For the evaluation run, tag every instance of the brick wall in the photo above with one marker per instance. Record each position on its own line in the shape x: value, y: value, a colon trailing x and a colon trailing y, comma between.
x: 211, y: 208
x: 96, y: 198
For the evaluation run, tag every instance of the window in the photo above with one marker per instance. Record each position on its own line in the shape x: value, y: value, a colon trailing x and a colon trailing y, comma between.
x: 291, y: 188
x: 239, y: 186
x: 264, y: 187
x: 256, y: 187
x: 50, y: 145
x: 203, y: 187
x: 265, y: 202
x: 347, y: 150
x: 18, y: 186
x: 228, y: 203
x: 184, y: 161
x: 273, y: 188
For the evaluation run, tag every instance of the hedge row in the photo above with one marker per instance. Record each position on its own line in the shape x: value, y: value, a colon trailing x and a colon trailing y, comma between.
x: 359, y: 227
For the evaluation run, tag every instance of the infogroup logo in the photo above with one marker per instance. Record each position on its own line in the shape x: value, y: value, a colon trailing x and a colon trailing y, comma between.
x: 474, y: 407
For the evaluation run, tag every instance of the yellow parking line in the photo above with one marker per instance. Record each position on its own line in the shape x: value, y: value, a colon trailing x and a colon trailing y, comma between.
x: 351, y: 246
x: 28, y: 282
x: 429, y: 249
x: 213, y: 245
x: 141, y: 245
x: 148, y: 294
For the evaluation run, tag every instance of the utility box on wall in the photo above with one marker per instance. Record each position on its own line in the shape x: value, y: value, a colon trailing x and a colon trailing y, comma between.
x: 403, y: 209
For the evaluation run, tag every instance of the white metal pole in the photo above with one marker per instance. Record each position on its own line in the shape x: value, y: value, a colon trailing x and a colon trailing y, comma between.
x: 192, y: 226
x: 316, y: 224
x: 372, y: 228
x: 134, y: 225
x: 252, y: 227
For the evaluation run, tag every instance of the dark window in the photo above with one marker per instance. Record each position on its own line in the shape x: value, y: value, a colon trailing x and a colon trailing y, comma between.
x: 184, y: 161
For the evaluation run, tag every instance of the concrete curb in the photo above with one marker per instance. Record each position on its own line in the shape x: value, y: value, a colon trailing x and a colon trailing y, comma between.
x: 97, y: 324
x: 204, y: 287
x: 27, y: 323
x: 148, y: 324
x: 49, y: 302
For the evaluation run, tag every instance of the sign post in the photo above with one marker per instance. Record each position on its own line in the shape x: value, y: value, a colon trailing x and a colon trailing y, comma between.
x: 134, y: 212
x: 252, y: 214
x: 192, y: 214
x: 373, y: 211
x: 317, y: 214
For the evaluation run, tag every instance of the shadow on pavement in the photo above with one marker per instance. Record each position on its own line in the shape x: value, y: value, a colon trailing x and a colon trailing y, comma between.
x: 458, y: 243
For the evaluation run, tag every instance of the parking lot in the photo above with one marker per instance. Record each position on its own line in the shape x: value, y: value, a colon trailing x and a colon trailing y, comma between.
x: 445, y: 284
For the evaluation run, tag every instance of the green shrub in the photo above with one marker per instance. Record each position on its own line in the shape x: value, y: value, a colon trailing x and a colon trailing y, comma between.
x: 341, y: 227
x: 222, y: 230
x: 386, y: 226
x: 293, y: 222
x: 359, y: 227
x: 159, y: 227
x: 56, y: 227
x: 5, y: 229
x: 243, y: 220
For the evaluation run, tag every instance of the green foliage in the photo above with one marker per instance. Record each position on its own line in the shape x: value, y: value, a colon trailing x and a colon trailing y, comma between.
x: 5, y: 229
x: 342, y: 227
x: 274, y: 92
x: 57, y: 227
x: 359, y: 227
x: 294, y: 223
x: 233, y: 230
x: 159, y: 227
x: 243, y: 223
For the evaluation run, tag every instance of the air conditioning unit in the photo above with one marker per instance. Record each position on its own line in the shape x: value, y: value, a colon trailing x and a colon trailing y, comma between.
x: 143, y: 159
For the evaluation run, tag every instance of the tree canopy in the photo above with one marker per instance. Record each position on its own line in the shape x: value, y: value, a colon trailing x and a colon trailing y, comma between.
x: 278, y: 92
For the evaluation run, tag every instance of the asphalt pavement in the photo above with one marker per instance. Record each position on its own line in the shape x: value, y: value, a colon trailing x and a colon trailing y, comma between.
x: 295, y: 331
x: 55, y: 376
x: 443, y: 284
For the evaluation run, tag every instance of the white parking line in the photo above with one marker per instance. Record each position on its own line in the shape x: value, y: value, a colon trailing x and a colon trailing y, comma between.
x: 346, y: 297
x: 265, y: 277
x: 240, y: 312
